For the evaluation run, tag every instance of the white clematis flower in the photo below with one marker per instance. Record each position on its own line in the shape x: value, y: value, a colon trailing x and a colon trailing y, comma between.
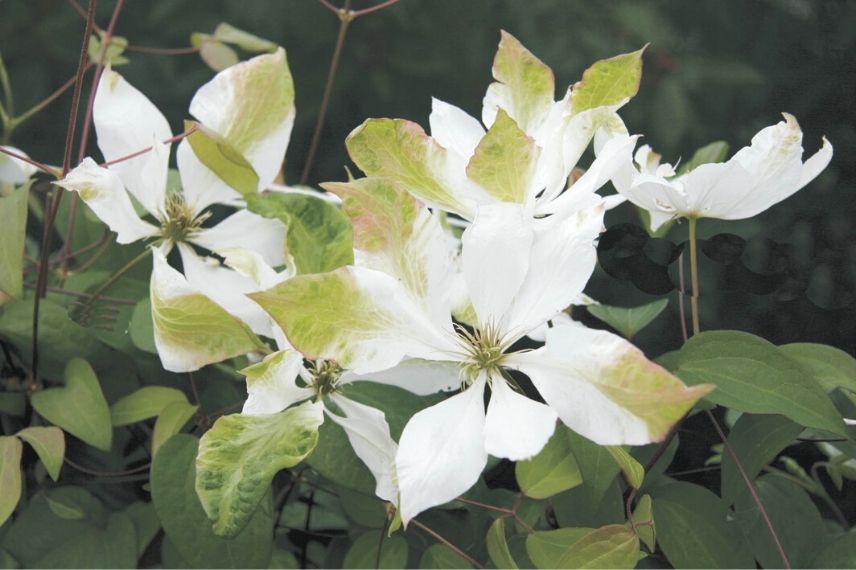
x: 250, y: 106
x: 532, y: 143
x: 14, y: 170
x: 755, y: 178
x: 388, y: 319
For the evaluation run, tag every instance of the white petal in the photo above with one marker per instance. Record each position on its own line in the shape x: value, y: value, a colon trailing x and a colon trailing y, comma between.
x: 103, y: 192
x: 14, y: 170
x: 422, y: 377
x: 368, y: 433
x: 562, y: 259
x: 441, y: 452
x: 252, y: 265
x: 251, y: 105
x: 246, y: 230
x: 816, y: 164
x: 539, y: 333
x: 126, y: 122
x: 271, y: 385
x: 227, y: 288
x: 200, y: 186
x: 603, y: 387
x: 454, y: 129
x: 496, y: 249
x: 516, y: 427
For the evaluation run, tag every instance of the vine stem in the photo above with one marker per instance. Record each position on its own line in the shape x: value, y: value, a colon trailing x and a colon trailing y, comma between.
x: 84, y: 135
x: 43, y: 167
x: 345, y: 18
x: 448, y: 544
x: 751, y: 488
x: 95, y: 295
x: 53, y: 205
x: 681, y: 294
x: 694, y: 274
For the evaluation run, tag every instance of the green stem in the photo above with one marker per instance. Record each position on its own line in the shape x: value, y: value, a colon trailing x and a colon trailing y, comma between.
x: 116, y: 276
x: 7, y: 89
x: 694, y: 275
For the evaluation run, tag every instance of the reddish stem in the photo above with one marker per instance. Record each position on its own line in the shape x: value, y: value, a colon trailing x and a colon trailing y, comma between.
x: 163, y: 51
x: 143, y: 151
x: 43, y: 167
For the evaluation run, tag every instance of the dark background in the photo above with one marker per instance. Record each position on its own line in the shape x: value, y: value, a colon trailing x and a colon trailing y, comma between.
x: 715, y: 69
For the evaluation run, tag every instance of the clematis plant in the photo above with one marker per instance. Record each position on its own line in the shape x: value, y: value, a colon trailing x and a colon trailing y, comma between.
x: 246, y: 113
x: 389, y: 318
x: 531, y: 145
x: 757, y: 177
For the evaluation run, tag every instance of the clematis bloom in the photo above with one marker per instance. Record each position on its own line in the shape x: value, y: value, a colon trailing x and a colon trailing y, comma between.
x: 757, y: 177
x: 388, y: 318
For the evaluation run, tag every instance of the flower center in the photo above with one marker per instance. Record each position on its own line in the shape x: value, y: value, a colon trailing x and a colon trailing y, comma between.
x: 180, y: 223
x: 484, y: 351
x: 325, y: 377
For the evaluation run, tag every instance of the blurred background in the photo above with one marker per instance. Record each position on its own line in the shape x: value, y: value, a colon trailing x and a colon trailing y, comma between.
x: 715, y: 70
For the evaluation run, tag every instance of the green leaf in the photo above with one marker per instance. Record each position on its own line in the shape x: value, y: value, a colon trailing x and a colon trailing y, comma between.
x: 318, y: 235
x: 223, y: 159
x: 10, y: 475
x: 550, y: 472
x: 7, y: 560
x: 239, y: 456
x: 633, y: 471
x: 694, y: 531
x: 49, y: 444
x: 65, y: 506
x: 628, y: 321
x: 839, y: 553
x: 363, y: 552
x: 146, y: 523
x: 13, y: 403
x: 112, y: 546
x: 497, y: 546
x: 752, y: 375
x: 66, y: 338
x: 611, y: 546
x: 141, y: 328
x: 755, y: 440
x: 147, y: 402
x: 608, y: 82
x: 713, y: 152
x: 596, y: 463
x: 170, y: 421
x: 79, y: 407
x: 504, y: 161
x: 793, y: 515
x: 173, y: 481
x: 545, y: 548
x: 244, y: 40
x: 831, y: 367
x: 440, y: 556
x: 13, y: 212
x: 643, y: 516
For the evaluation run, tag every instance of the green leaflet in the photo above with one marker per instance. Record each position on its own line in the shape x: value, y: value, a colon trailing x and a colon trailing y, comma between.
x: 552, y: 471
x: 611, y: 546
x: 13, y: 212
x: 78, y: 407
x: 49, y: 444
x: 634, y: 473
x: 830, y: 366
x: 438, y: 556
x: 10, y: 475
x: 694, y: 529
x: 755, y: 440
x: 608, y: 82
x: 318, y: 235
x: 363, y: 551
x: 628, y: 320
x: 643, y: 517
x: 792, y: 513
x: 752, y: 375
x: 170, y: 421
x: 497, y: 545
x: 239, y: 456
x: 145, y: 403
x: 504, y: 161
x: 839, y: 553
x: 716, y: 151
x: 222, y: 158
x: 173, y: 478
x: 524, y: 86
